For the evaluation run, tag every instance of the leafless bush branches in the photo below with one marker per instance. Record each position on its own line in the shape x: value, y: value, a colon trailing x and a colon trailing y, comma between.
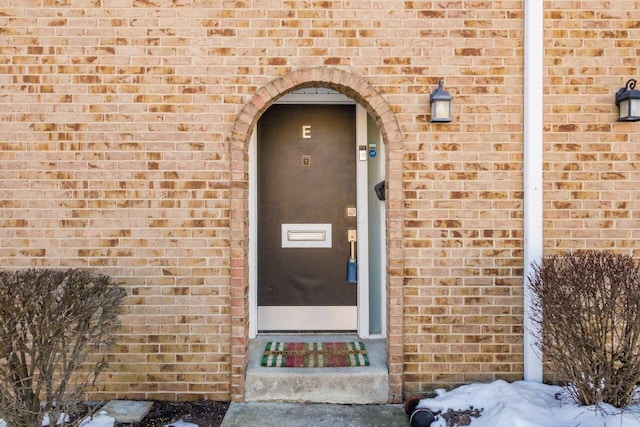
x: 50, y: 322
x: 588, y: 312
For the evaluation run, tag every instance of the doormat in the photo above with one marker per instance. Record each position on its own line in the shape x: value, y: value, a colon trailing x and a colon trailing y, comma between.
x: 315, y: 354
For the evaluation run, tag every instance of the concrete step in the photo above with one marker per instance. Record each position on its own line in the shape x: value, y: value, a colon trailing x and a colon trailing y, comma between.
x: 358, y: 385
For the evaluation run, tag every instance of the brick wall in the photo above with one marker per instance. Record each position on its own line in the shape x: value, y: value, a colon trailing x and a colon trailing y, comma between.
x: 124, y: 128
x: 114, y: 120
x: 463, y: 202
x: 592, y: 168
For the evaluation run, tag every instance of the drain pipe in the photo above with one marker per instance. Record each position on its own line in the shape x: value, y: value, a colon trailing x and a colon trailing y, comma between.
x: 533, y: 202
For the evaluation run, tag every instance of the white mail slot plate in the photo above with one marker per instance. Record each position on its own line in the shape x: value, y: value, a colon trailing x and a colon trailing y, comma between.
x: 306, y: 235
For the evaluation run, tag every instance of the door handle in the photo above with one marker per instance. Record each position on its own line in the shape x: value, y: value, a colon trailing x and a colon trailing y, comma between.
x: 352, y: 237
x: 352, y: 252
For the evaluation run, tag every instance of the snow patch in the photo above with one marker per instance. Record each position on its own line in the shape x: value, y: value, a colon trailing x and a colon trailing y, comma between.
x: 102, y: 420
x: 527, y: 404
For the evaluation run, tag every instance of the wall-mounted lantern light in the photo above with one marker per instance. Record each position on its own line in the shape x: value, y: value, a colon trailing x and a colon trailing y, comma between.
x: 628, y: 102
x: 440, y: 105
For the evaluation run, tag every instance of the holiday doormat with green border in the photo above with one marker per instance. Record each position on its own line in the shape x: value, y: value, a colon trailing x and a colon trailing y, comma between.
x: 315, y: 354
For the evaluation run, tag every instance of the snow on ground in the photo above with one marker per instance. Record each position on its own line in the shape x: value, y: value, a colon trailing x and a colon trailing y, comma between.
x: 527, y: 404
x: 503, y: 404
x: 103, y: 420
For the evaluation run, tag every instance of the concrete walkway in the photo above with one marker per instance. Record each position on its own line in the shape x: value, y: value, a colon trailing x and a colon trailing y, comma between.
x: 276, y: 414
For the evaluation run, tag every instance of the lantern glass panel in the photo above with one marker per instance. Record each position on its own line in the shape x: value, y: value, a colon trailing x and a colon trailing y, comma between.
x: 440, y: 110
x: 635, y: 107
x: 624, y: 109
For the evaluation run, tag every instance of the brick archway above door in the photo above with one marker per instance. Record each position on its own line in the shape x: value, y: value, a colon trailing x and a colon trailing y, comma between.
x: 358, y: 89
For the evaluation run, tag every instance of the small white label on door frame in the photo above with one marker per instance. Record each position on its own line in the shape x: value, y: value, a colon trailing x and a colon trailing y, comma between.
x: 306, y: 236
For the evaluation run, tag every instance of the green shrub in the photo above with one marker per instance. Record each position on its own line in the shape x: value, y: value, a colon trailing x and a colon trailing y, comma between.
x: 588, y: 313
x: 50, y: 321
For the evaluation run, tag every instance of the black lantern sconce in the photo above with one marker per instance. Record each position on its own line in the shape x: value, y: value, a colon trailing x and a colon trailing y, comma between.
x: 628, y: 102
x: 440, y: 105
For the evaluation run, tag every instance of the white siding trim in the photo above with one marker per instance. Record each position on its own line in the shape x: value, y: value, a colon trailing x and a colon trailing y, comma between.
x: 533, y: 149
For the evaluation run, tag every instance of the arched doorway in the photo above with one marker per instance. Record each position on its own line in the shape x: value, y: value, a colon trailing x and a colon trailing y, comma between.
x: 357, y: 89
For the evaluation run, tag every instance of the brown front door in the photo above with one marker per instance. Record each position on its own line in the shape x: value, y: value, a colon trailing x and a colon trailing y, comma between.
x: 306, y: 206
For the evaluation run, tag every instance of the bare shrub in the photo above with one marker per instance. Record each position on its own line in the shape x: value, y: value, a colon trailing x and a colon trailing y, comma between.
x: 50, y: 322
x: 588, y: 312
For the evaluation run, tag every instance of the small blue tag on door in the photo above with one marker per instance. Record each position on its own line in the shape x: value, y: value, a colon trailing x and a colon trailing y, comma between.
x: 352, y: 272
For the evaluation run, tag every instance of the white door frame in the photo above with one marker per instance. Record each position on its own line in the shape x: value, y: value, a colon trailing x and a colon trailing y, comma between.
x: 361, y: 206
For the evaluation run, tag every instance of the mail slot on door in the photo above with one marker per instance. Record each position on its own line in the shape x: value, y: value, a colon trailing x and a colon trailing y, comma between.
x: 306, y: 235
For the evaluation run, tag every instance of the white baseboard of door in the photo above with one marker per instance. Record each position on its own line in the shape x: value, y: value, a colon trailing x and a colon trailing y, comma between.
x: 308, y: 318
